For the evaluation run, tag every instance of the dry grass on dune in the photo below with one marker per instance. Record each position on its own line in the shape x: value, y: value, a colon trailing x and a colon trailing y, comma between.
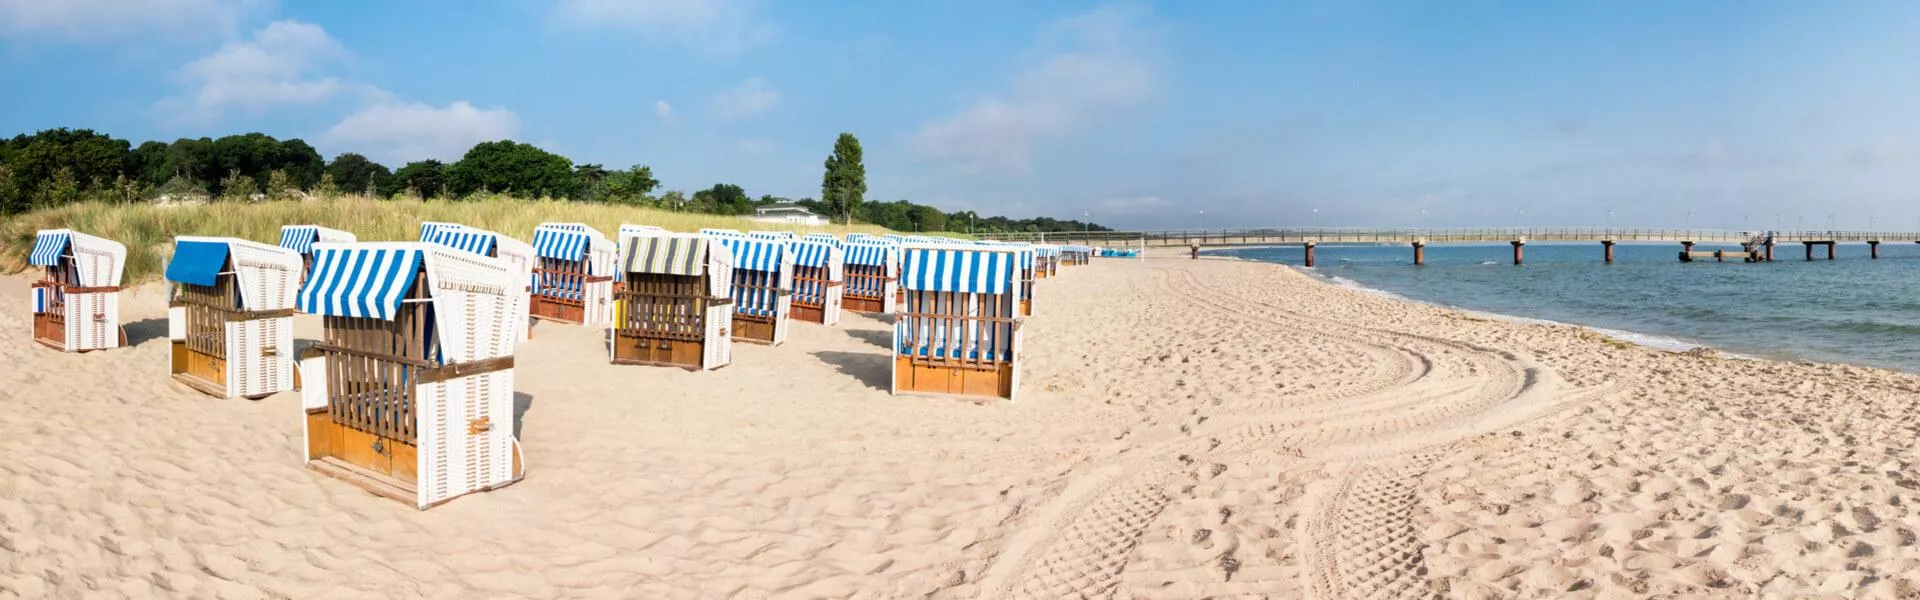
x: 148, y: 230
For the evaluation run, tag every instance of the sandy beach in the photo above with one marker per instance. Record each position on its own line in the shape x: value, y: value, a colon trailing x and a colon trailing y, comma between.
x: 1186, y: 429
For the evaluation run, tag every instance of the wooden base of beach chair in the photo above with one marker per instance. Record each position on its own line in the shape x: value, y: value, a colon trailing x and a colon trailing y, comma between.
x: 199, y: 371
x: 1026, y: 307
x: 658, y: 352
x: 809, y: 313
x: 753, y: 330
x: 558, y: 309
x: 50, y: 329
x: 384, y: 466
x: 927, y: 377
x: 864, y: 304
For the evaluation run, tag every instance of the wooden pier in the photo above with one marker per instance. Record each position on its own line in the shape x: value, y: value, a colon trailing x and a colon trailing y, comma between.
x: 1759, y: 244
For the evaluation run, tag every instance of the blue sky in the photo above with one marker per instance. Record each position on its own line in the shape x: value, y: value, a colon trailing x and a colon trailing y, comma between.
x: 1143, y: 115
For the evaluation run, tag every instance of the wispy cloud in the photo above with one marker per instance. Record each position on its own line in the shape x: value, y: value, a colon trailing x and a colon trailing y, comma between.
x: 284, y: 63
x: 396, y: 133
x: 752, y: 97
x: 719, y: 26
x: 664, y: 111
x: 92, y: 20
x: 1101, y: 62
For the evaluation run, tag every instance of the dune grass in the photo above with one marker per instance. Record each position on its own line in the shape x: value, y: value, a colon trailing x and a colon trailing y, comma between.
x: 148, y: 230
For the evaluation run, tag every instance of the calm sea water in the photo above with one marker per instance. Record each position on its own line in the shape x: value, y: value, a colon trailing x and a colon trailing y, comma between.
x: 1852, y: 310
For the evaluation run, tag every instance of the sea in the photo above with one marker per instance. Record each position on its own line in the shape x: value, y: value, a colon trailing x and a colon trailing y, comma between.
x: 1849, y: 310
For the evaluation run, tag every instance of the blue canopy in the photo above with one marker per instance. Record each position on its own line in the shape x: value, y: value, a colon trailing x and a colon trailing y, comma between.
x: 754, y: 255
x: 197, y: 262
x: 47, y: 246
x: 870, y: 254
x: 470, y: 240
x: 811, y: 253
x: 298, y: 238
x: 359, y: 282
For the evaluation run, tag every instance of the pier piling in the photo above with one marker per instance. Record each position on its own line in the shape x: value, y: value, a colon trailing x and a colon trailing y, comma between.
x: 1830, y: 250
x: 1518, y: 253
x: 1873, y: 249
x: 1309, y: 254
x: 1608, y: 244
x: 1419, y: 253
x: 1809, y: 250
x: 1686, y: 246
x: 1769, y: 246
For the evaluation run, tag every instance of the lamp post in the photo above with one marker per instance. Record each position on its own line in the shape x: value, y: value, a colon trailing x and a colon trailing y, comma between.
x: 1316, y: 217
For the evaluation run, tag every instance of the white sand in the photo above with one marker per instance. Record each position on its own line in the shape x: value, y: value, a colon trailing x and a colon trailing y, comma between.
x: 1186, y: 430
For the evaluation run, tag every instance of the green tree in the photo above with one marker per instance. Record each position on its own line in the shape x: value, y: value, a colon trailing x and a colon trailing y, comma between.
x: 236, y: 187
x: 592, y: 181
x: 631, y: 185
x: 507, y: 166
x: 354, y: 172
x: 673, y: 200
x: 327, y: 188
x: 723, y: 198
x: 927, y: 218
x: 280, y: 185
x: 844, y: 185
x: 61, y: 189
x: 427, y: 178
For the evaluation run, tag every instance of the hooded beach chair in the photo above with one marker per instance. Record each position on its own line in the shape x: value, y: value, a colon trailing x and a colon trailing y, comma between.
x: 1046, y: 260
x: 410, y: 393
x: 76, y: 302
x: 675, y: 309
x: 1074, y: 255
x: 1028, y: 261
x: 573, y: 280
x: 779, y: 236
x: 230, y: 320
x: 819, y: 272
x: 762, y: 288
x: 300, y: 239
x: 873, y: 276
x: 959, y: 332
x: 519, y: 255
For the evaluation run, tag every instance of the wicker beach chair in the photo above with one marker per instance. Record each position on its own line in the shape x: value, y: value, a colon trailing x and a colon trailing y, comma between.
x: 230, y: 319
x: 300, y: 239
x: 959, y: 332
x: 676, y: 308
x: 410, y: 394
x: 873, y: 276
x: 819, y: 274
x: 1046, y: 260
x: 573, y: 279
x: 1074, y: 255
x: 519, y: 255
x: 762, y: 288
x: 76, y: 302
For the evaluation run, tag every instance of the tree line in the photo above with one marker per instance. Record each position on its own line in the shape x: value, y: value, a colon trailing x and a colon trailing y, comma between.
x: 62, y: 166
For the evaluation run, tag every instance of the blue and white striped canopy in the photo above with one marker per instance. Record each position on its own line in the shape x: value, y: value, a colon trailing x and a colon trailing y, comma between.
x: 566, y: 226
x: 476, y: 241
x: 826, y: 238
x: 871, y: 254
x: 550, y: 241
x: 48, y: 245
x: 1076, y: 248
x: 298, y: 238
x: 954, y: 269
x: 348, y: 281
x: 864, y: 237
x: 428, y: 228
x: 771, y: 235
x: 1046, y: 250
x: 721, y: 232
x: 754, y: 255
x: 811, y: 253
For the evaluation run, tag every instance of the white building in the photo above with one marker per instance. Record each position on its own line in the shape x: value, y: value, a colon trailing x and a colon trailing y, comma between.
x: 789, y: 213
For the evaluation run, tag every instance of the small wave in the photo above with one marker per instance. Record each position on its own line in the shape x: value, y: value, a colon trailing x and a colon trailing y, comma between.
x: 1874, y: 327
x: 1485, y: 263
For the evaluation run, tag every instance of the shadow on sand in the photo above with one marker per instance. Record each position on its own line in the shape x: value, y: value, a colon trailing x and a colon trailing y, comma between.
x: 871, y: 369
x: 139, y: 332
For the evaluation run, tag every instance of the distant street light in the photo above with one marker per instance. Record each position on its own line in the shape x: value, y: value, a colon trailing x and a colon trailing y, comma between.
x: 1316, y: 217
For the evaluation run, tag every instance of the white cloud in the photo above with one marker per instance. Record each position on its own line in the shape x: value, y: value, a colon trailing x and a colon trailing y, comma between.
x: 1101, y: 64
x: 106, y: 19
x: 721, y: 26
x: 395, y: 134
x: 283, y: 64
x: 660, y: 107
x: 751, y: 97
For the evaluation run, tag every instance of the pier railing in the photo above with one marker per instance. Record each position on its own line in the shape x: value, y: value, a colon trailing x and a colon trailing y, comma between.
x: 1260, y: 236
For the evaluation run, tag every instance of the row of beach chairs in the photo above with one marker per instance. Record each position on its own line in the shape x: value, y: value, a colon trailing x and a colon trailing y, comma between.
x: 410, y: 392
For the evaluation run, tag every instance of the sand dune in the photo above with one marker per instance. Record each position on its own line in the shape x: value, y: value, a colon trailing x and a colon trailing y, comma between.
x: 1187, y: 429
